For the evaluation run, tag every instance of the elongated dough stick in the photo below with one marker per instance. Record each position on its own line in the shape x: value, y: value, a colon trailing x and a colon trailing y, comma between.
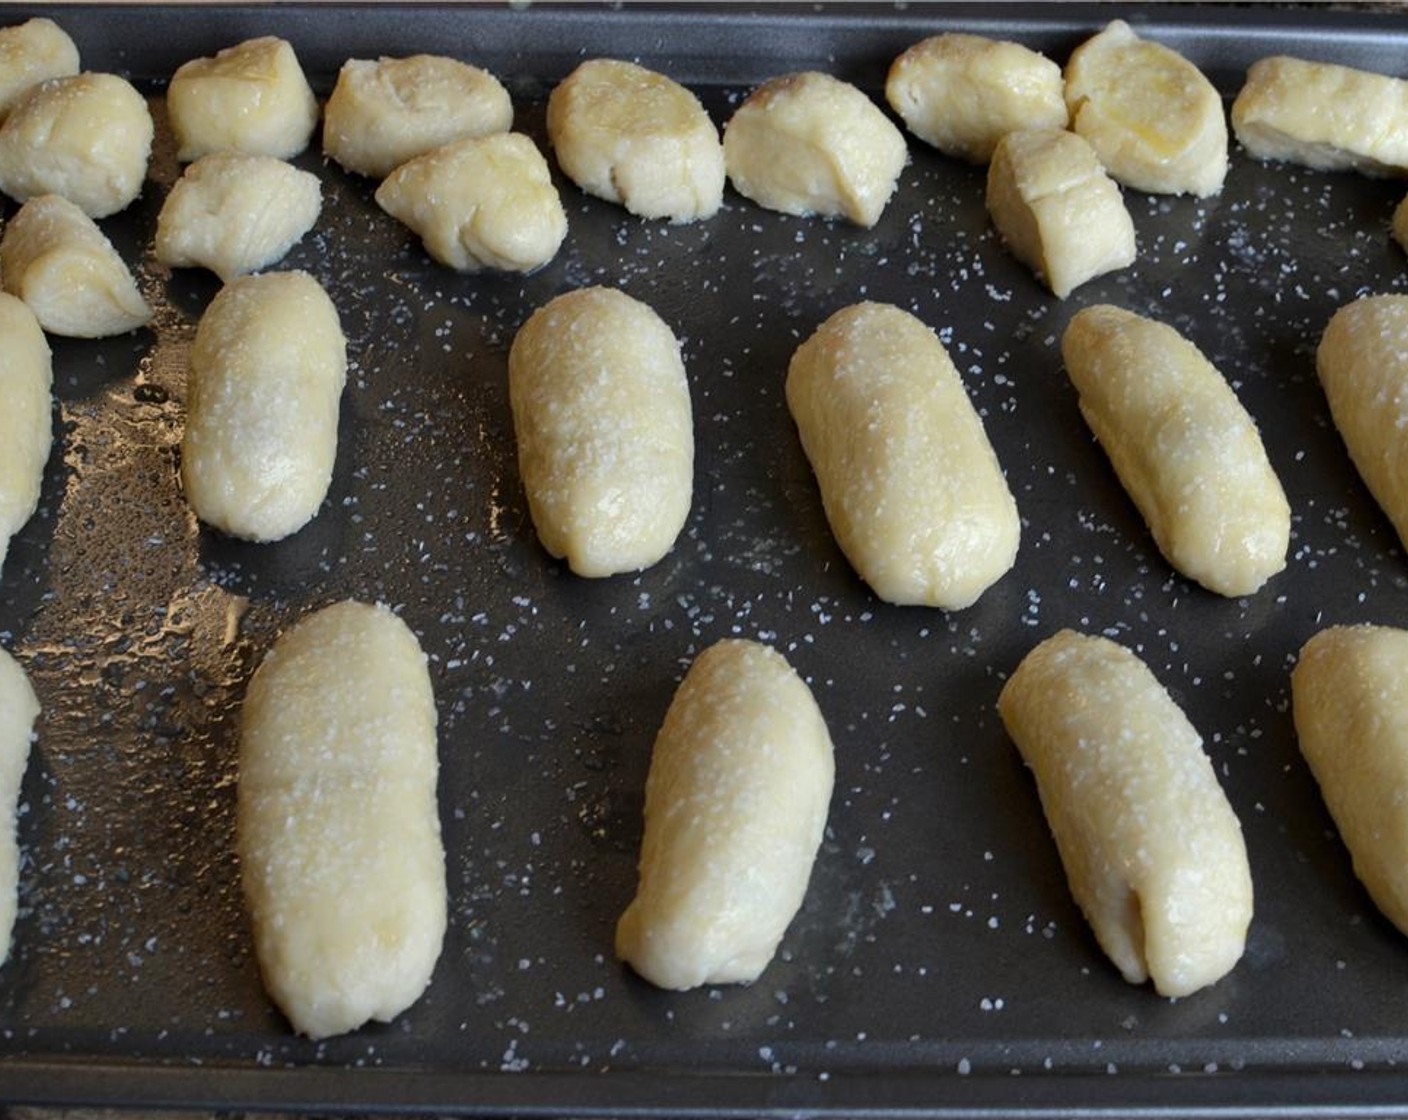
x: 26, y: 426
x: 18, y: 710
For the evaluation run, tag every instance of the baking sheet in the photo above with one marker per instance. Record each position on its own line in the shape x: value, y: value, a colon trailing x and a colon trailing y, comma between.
x: 938, y: 965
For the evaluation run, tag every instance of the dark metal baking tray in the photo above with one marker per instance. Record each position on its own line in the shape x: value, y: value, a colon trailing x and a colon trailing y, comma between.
x: 938, y: 966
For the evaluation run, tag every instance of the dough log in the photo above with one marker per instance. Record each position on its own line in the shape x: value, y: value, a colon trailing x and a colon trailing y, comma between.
x: 26, y: 427
x: 19, y: 708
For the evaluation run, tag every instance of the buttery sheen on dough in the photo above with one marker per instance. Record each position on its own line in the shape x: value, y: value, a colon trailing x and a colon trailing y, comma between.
x: 735, y: 807
x: 267, y: 370
x: 1185, y: 449
x: 32, y: 52
x: 911, y: 486
x: 602, y: 416
x: 26, y: 427
x: 337, y: 826
x: 1152, y: 849
x: 19, y: 708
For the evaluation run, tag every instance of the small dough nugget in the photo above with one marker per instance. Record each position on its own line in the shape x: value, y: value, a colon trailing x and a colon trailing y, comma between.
x: 735, y: 806
x: 963, y: 93
x: 55, y: 258
x: 1183, y: 446
x: 250, y: 98
x: 1057, y: 210
x: 602, y: 416
x: 26, y: 426
x: 267, y: 370
x: 1329, y: 117
x: 30, y: 53
x: 234, y: 214
x: 632, y: 136
x: 1152, y: 849
x: 337, y: 825
x: 911, y: 486
x: 86, y: 137
x: 1362, y: 362
x: 487, y: 202
x: 383, y: 113
x: 809, y: 143
x: 19, y: 708
x: 1152, y: 117
x: 1349, y: 696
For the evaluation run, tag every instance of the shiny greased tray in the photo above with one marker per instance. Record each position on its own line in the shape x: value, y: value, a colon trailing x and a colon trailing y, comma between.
x: 938, y: 965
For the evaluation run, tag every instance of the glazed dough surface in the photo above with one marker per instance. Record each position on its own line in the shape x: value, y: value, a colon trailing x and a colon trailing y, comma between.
x: 55, y: 258
x: 483, y: 203
x: 1152, y: 849
x: 1154, y: 120
x: 735, y: 806
x: 1183, y: 446
x: 632, y: 136
x: 32, y: 52
x: 267, y: 370
x: 1329, y: 117
x: 86, y: 137
x: 338, y: 829
x: 235, y: 214
x: 911, y: 486
x: 26, y: 426
x: 383, y: 113
x: 810, y: 144
x: 602, y: 416
x: 1057, y: 210
x: 19, y: 708
x: 963, y: 93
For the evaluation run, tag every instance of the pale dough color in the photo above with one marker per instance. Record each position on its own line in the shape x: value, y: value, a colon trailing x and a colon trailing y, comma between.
x: 1152, y: 117
x: 1329, y: 117
x: 266, y: 375
x: 1183, y: 446
x: 55, y: 258
x: 337, y: 825
x: 1057, y: 210
x: 487, y: 202
x: 602, y: 416
x: 32, y: 52
x: 250, y: 98
x: 26, y: 426
x: 234, y: 214
x: 809, y: 143
x: 963, y: 93
x: 87, y: 137
x: 1152, y: 849
x: 735, y: 806
x: 19, y: 708
x: 1362, y: 362
x: 911, y: 486
x: 632, y: 136
x: 385, y: 112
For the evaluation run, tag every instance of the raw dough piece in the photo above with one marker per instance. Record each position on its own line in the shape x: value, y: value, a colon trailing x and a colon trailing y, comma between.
x: 250, y: 98
x: 1152, y: 117
x: 1183, y: 446
x: 26, y: 427
x: 811, y: 144
x: 963, y: 93
x: 1152, y: 849
x: 602, y: 416
x: 32, y: 52
x: 1349, y: 696
x: 486, y: 202
x: 19, y: 708
x: 911, y: 486
x: 1324, y: 116
x: 629, y: 135
x: 735, y: 807
x: 1400, y: 224
x: 267, y: 370
x: 1057, y: 210
x: 338, y: 830
x: 383, y: 113
x: 86, y: 137
x: 55, y: 258
x: 1362, y: 361
x: 234, y: 214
